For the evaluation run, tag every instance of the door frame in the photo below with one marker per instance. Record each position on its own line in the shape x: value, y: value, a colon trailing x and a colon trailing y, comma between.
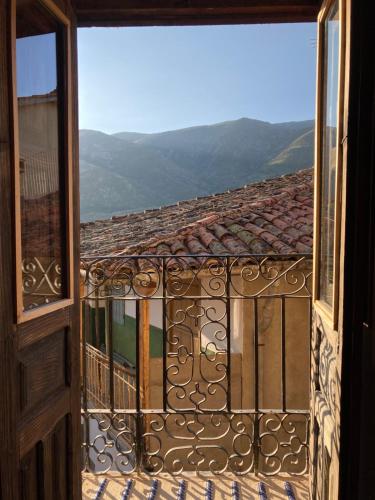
x: 359, y: 197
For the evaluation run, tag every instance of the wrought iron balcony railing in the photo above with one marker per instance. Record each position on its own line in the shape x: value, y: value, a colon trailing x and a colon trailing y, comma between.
x: 196, y: 363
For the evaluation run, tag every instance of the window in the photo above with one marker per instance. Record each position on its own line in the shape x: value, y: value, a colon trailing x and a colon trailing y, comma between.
x: 329, y: 153
x: 41, y: 162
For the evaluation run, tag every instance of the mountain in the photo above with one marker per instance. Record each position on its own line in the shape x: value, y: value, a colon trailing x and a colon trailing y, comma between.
x: 297, y: 152
x: 129, y: 171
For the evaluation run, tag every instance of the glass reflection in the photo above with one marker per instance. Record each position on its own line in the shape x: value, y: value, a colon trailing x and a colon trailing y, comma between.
x: 39, y: 153
x: 328, y: 158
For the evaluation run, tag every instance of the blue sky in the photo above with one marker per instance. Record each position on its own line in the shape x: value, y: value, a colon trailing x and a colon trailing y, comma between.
x: 164, y: 78
x: 36, y: 64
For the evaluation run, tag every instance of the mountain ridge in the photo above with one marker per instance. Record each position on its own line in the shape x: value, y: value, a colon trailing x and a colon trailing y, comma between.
x: 130, y: 171
x: 237, y: 120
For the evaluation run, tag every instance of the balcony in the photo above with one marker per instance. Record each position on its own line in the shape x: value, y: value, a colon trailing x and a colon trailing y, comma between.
x: 196, y: 367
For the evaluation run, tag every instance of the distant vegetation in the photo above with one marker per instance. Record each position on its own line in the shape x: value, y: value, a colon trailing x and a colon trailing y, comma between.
x: 129, y: 172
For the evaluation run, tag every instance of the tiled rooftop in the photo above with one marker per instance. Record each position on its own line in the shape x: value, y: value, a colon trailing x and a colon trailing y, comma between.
x: 272, y: 216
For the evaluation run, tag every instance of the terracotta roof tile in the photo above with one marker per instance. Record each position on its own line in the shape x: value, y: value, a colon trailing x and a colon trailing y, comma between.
x: 280, y: 224
x: 306, y: 240
x: 258, y: 246
x: 217, y: 248
x: 195, y: 246
x: 272, y: 216
x: 219, y: 230
x: 301, y: 248
x: 269, y: 238
x: 234, y: 246
x: 178, y: 246
x: 254, y: 228
x: 287, y: 239
x: 163, y: 249
x: 273, y: 229
x: 281, y: 248
x: 206, y: 236
x: 304, y: 228
x: 292, y: 231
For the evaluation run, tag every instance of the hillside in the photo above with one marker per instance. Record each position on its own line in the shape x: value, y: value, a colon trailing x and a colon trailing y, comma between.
x: 128, y: 172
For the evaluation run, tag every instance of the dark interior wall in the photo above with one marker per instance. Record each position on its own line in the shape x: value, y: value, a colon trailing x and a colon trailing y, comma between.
x: 357, y: 470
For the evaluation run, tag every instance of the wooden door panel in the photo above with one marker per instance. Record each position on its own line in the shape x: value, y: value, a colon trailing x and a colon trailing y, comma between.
x: 44, y: 470
x: 60, y: 453
x: 43, y: 368
x: 29, y: 475
x: 42, y: 421
x: 39, y: 340
x: 35, y: 330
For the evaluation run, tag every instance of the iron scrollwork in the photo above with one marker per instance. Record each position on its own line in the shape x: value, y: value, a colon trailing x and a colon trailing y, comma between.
x: 197, y: 418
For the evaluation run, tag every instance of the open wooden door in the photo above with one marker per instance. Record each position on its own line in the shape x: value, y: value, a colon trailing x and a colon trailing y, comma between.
x: 330, y: 175
x: 39, y: 350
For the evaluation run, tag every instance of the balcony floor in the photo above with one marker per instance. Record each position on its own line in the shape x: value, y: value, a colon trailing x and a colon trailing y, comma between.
x: 168, y: 486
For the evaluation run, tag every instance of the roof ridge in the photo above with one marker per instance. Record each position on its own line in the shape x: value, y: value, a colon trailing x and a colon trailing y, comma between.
x: 252, y: 186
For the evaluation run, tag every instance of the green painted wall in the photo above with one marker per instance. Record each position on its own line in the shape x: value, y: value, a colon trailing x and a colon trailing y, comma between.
x: 124, y: 336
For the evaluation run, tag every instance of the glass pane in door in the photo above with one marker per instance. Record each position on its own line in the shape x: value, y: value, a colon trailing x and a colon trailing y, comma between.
x: 328, y: 152
x: 41, y: 159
